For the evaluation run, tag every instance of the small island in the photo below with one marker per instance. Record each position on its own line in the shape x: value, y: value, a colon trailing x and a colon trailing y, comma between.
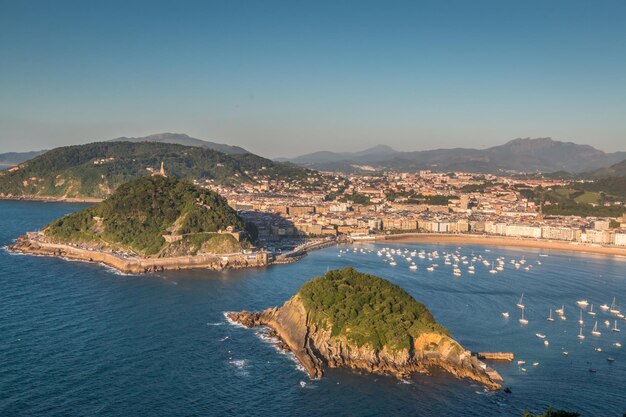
x: 350, y: 319
x: 152, y: 223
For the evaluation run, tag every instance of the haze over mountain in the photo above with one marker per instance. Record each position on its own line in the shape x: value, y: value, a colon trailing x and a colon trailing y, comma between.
x: 521, y: 155
x: 615, y: 170
x: 183, y: 139
x: 14, y: 158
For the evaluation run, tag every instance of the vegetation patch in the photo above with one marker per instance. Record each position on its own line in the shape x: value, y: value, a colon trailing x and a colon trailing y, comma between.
x: 141, y: 212
x: 367, y: 310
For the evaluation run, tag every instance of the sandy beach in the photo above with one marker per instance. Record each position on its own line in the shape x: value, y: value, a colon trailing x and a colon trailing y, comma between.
x: 504, y: 241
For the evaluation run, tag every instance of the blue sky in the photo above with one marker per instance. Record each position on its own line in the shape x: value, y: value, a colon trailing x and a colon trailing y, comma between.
x: 285, y: 78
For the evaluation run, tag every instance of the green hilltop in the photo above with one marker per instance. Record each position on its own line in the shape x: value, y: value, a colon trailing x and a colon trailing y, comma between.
x: 141, y: 212
x: 95, y: 170
x: 366, y: 309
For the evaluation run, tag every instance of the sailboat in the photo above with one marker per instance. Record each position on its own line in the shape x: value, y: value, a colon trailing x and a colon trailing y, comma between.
x: 613, y: 309
x: 595, y: 330
x: 505, y: 314
x: 604, y: 307
x: 523, y: 320
x: 550, y: 318
x: 580, y: 320
x: 520, y: 303
x: 591, y: 312
x: 581, y: 336
x: 493, y: 271
x: 560, y: 311
x: 615, y: 329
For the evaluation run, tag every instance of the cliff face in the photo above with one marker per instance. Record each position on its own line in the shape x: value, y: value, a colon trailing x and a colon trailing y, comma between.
x: 315, y: 348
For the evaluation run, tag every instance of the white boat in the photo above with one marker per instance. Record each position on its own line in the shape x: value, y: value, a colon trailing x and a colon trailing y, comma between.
x: 535, y: 363
x: 523, y: 320
x: 521, y: 362
x: 617, y: 344
x: 471, y: 272
x: 520, y: 303
x: 595, y: 330
x: 615, y: 328
x: 560, y: 311
x: 546, y: 343
x: 582, y: 303
x: 550, y: 318
x: 430, y: 269
x: 413, y: 267
x: 598, y: 349
x: 563, y: 317
x: 505, y: 314
x: 613, y: 309
x: 604, y: 307
x: 540, y: 335
x: 492, y: 271
x: 607, y: 323
x: 393, y: 263
x: 610, y: 359
x: 581, y: 336
x: 565, y: 353
x: 580, y: 320
x: 591, y: 312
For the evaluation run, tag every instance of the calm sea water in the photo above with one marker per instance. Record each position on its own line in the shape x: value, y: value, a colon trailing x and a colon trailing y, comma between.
x: 78, y: 339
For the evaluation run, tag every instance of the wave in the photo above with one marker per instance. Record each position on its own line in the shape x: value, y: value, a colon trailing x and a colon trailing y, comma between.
x: 232, y: 322
x: 264, y: 335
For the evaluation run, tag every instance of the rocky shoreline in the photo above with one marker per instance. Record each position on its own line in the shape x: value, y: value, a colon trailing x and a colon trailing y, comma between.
x: 134, y: 265
x: 315, y: 349
x: 48, y: 199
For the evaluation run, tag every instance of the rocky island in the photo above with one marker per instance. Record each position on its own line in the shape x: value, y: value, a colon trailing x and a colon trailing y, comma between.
x: 350, y: 319
x: 150, y: 224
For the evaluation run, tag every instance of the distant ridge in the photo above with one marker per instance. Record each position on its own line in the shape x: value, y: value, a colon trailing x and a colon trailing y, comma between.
x: 518, y: 155
x: 14, y: 158
x: 615, y: 170
x: 183, y: 139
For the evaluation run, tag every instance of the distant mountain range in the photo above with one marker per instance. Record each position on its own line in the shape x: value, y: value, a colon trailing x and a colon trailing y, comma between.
x: 182, y: 139
x: 14, y: 158
x: 519, y: 155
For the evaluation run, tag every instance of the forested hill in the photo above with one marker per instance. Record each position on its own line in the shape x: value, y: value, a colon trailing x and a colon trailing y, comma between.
x: 96, y: 169
x: 141, y: 212
x: 366, y: 309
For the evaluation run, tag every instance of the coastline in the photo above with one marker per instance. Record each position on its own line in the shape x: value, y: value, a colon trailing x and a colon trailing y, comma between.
x: 316, y: 349
x: 137, y: 265
x: 487, y: 240
x: 52, y: 199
